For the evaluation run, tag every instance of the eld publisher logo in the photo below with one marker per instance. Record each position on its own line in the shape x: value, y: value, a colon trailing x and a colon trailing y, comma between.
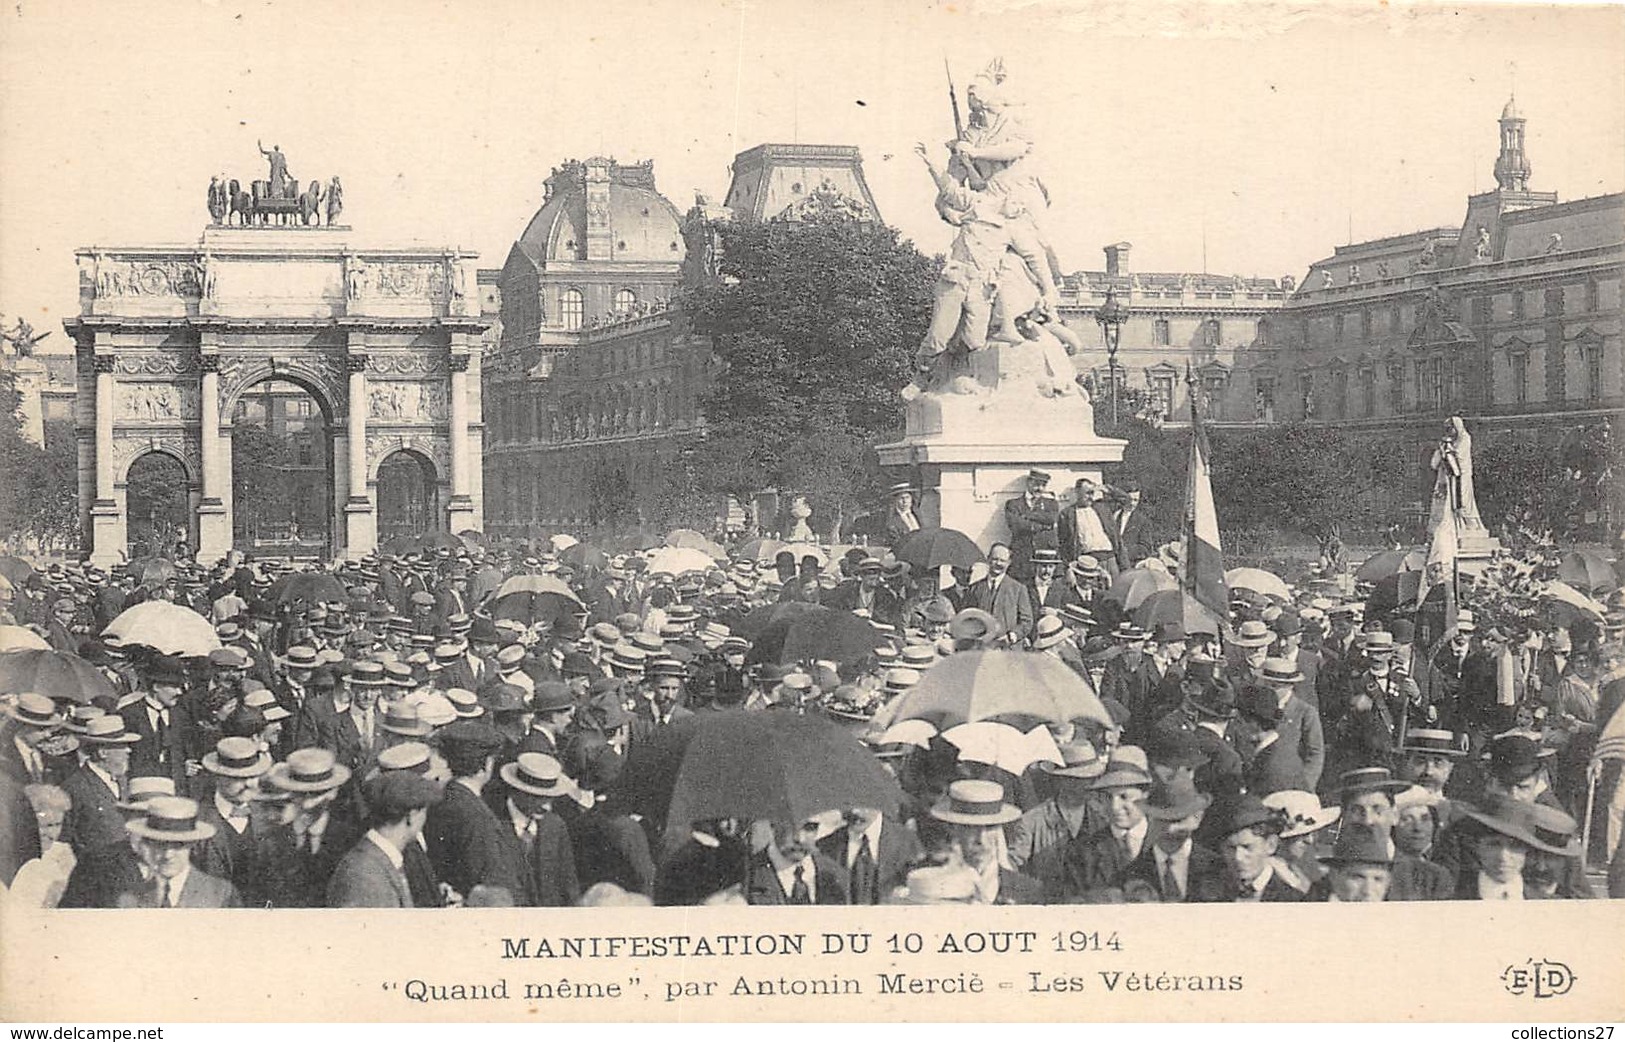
x: 1540, y: 978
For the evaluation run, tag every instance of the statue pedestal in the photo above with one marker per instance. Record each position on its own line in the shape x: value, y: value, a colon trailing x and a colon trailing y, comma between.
x: 213, y: 531
x: 1476, y: 546
x: 360, y: 528
x: 972, y: 451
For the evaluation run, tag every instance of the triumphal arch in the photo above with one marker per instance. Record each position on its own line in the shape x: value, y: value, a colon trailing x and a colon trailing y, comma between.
x: 170, y: 338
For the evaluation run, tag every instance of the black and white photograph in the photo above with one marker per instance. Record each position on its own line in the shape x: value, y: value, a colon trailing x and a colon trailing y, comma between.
x: 531, y: 466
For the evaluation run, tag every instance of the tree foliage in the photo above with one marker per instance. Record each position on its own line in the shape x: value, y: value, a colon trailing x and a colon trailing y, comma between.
x: 39, y: 487
x: 815, y: 323
x: 1557, y: 486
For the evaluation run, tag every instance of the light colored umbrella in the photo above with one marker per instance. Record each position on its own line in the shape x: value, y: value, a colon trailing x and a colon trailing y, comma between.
x: 1003, y: 746
x: 1563, y: 593
x: 675, y: 560
x: 1259, y: 581
x: 165, y: 627
x: 21, y: 638
x: 910, y: 732
x: 562, y: 542
x: 689, y: 539
x: 1010, y: 686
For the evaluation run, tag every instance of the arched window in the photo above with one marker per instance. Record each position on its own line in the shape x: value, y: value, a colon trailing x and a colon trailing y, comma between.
x: 571, y: 308
x: 625, y: 301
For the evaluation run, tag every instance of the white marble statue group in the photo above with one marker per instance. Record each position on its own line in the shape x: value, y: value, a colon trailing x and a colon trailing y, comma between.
x: 999, y: 286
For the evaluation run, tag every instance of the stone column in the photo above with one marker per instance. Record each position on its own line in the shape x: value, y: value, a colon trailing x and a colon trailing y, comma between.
x: 106, y: 516
x: 460, y: 514
x: 360, y: 523
x: 213, y: 511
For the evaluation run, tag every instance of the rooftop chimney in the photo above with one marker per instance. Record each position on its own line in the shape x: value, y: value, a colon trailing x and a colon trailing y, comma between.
x: 1117, y: 258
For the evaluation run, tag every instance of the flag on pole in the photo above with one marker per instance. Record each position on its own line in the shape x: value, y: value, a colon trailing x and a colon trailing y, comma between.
x: 1203, y: 574
x: 1436, y: 591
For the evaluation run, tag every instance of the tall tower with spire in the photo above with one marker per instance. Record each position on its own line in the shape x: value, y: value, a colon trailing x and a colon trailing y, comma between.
x: 1512, y: 165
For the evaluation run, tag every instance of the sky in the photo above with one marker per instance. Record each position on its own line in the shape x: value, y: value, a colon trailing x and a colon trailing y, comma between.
x: 1241, y: 138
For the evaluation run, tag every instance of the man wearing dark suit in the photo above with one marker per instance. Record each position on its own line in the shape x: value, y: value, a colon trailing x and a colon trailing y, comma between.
x: 299, y: 858
x: 1047, y: 590
x: 466, y: 843
x: 162, y: 724
x: 233, y: 852
x: 94, y: 820
x: 1248, y: 833
x: 536, y: 834
x: 166, y: 833
x: 455, y: 668
x: 327, y: 720
x: 372, y: 873
x: 59, y: 628
x: 1004, y: 597
x: 1133, y: 538
x: 100, y: 876
x: 866, y: 592
x: 1093, y: 865
x: 792, y: 872
x: 1207, y: 715
x: 1031, y: 518
x: 875, y: 851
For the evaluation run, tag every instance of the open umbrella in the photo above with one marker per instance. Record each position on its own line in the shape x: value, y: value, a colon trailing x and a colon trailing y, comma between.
x: 1384, y: 563
x: 805, y: 550
x: 472, y: 538
x: 151, y: 571
x: 486, y: 580
x: 689, y: 539
x: 935, y: 547
x: 1132, y: 587
x: 1009, y: 686
x: 1002, y: 746
x: 584, y: 555
x: 759, y: 619
x: 1571, y: 603
x: 820, y: 634
x: 675, y: 560
x: 772, y: 766
x: 534, y: 598
x: 1259, y: 581
x: 165, y: 627
x: 1178, y: 606
x: 310, y: 587
x: 16, y: 569
x: 758, y: 549
x: 1588, y: 571
x: 54, y: 674
x: 636, y: 540
x: 21, y: 638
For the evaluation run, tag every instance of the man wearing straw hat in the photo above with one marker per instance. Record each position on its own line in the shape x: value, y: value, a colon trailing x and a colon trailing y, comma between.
x: 100, y: 876
x: 300, y: 856
x: 972, y: 816
x: 232, y: 853
x: 165, y: 836
x: 97, y: 786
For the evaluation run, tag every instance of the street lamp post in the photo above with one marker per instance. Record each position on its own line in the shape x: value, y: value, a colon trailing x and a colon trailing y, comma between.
x: 1111, y: 315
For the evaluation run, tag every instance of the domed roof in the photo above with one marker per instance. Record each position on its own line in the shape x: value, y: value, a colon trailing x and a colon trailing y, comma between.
x: 1511, y: 111
x: 643, y: 224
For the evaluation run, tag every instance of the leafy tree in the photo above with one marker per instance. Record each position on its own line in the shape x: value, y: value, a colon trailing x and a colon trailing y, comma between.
x: 259, y: 487
x: 39, y: 487
x: 816, y: 323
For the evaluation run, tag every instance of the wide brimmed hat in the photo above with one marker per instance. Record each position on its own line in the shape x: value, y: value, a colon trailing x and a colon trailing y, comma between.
x: 35, y: 710
x: 1245, y: 811
x: 1282, y: 671
x: 1520, y: 821
x: 1303, y: 812
x: 1079, y: 760
x: 145, y: 788
x: 1123, y: 773
x: 171, y: 819
x: 973, y: 802
x: 237, y: 758
x: 1253, y: 633
x: 309, y: 770
x: 108, y: 730
x: 1360, y: 845
x: 974, y: 624
x: 1436, y: 742
x: 537, y: 774
x: 1368, y: 779
x: 1175, y: 800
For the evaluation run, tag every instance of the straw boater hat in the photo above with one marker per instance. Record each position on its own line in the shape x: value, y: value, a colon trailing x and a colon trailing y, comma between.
x: 1050, y: 632
x: 408, y: 756
x: 537, y: 774
x: 80, y: 716
x: 171, y: 819
x: 143, y: 789
x: 950, y: 884
x: 35, y: 710
x: 1436, y: 742
x: 108, y: 730
x: 1282, y: 672
x: 1303, y: 812
x: 309, y: 771
x: 405, y: 720
x: 1129, y: 633
x: 463, y: 701
x: 973, y: 802
x: 237, y: 758
x: 1368, y: 779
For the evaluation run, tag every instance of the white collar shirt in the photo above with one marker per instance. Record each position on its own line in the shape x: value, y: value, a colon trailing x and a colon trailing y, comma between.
x: 1179, y: 862
x: 854, y: 841
x: 390, y: 850
x: 1490, y: 890
x: 1134, y: 835
x: 786, y: 869
x: 234, y: 815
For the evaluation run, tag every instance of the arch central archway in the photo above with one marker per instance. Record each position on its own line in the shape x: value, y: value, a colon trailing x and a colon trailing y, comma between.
x: 282, y: 470
x: 158, y: 505
x: 408, y: 496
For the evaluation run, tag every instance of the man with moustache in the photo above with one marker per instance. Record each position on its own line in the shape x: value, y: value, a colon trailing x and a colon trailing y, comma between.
x: 791, y: 871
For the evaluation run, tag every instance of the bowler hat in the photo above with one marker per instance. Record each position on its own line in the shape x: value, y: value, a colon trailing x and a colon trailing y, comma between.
x: 468, y: 736
x: 1260, y: 705
x: 1245, y: 811
x: 1168, y: 631
x: 551, y: 697
x: 171, y: 819
x: 1514, y: 757
x: 499, y: 697
x: 974, y: 802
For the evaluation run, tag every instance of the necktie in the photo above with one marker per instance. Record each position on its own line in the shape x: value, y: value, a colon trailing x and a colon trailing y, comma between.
x: 163, y: 893
x: 1170, y: 883
x: 864, y: 881
x: 799, y: 893
x: 1123, y: 845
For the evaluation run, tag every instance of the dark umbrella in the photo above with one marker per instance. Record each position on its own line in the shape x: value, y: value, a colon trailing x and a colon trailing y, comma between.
x: 639, y: 540
x: 752, y: 766
x: 400, y: 544
x: 821, y: 634
x: 471, y: 539
x: 54, y: 674
x: 1177, y: 606
x: 1587, y: 570
x: 310, y: 587
x: 485, y: 581
x: 584, y: 555
x: 751, y: 626
x: 534, y: 598
x: 437, y: 540
x: 935, y: 547
x: 1384, y: 563
x: 152, y: 571
x: 16, y: 569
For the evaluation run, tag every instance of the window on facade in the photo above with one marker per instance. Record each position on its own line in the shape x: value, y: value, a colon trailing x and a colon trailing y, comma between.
x: 1215, y: 332
x: 1340, y: 394
x: 1365, y: 325
x: 572, y: 306
x: 1592, y: 353
x: 1368, y: 392
x: 1213, y: 396
x: 1520, y: 377
x: 1517, y: 304
x: 1436, y: 383
x: 1591, y: 295
x: 1160, y: 335
x: 1337, y: 328
x: 625, y: 301
x: 306, y: 454
x: 1421, y: 395
x: 1162, y: 386
x: 1393, y: 319
x: 1264, y: 399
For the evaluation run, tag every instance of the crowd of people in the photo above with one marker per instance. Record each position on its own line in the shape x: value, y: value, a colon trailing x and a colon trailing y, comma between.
x: 421, y: 742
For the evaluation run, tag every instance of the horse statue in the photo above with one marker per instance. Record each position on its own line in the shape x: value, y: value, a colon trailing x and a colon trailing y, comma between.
x: 310, y: 204
x: 240, y: 202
